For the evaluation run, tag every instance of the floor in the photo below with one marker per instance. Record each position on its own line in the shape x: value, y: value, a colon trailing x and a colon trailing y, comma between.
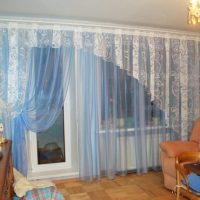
x: 132, y: 187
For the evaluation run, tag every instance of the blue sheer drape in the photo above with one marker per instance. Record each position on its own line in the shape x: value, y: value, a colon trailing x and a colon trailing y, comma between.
x: 87, y: 115
x: 19, y: 145
x: 121, y: 122
x: 107, y: 114
x: 134, y: 89
x: 110, y: 103
x: 49, y: 76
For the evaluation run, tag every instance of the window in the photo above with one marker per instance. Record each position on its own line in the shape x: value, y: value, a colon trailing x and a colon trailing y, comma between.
x: 121, y: 96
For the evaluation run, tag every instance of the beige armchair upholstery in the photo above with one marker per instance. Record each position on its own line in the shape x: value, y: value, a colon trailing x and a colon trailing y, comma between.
x: 170, y: 149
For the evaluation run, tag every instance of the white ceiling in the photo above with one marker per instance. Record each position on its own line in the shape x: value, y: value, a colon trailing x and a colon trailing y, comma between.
x: 154, y: 13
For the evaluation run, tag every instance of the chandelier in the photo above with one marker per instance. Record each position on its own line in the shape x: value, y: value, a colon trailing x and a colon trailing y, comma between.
x: 194, y: 12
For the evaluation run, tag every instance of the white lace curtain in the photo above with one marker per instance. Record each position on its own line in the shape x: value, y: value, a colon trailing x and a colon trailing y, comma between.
x: 175, y: 55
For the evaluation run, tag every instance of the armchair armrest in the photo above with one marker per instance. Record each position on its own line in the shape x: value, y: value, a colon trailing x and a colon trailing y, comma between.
x: 174, y: 148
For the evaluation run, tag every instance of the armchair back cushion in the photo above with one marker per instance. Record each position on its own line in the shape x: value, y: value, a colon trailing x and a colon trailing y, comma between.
x: 174, y: 148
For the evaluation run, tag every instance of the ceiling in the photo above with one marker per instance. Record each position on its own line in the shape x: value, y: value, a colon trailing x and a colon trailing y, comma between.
x: 152, y: 13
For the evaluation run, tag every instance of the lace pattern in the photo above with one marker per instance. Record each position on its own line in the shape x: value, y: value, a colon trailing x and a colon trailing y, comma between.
x: 166, y: 64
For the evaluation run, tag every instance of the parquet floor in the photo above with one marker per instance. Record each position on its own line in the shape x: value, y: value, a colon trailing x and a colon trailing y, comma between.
x: 132, y: 187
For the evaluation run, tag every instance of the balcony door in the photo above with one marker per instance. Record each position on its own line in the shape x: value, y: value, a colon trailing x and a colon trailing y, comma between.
x: 53, y: 153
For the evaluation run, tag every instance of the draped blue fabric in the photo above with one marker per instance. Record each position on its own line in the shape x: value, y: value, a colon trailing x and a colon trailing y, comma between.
x: 120, y: 125
x: 110, y: 115
x: 20, y: 159
x: 133, y: 90
x: 49, y: 77
x: 47, y: 85
x: 87, y: 115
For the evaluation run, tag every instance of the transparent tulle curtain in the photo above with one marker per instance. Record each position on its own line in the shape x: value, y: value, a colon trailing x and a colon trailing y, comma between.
x: 34, y: 78
x: 125, y: 111
x: 134, y: 88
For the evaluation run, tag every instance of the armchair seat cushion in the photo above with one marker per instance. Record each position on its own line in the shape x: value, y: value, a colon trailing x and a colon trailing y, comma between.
x: 174, y: 148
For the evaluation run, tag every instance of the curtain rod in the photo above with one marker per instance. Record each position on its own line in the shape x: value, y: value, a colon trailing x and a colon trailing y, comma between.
x: 86, y: 24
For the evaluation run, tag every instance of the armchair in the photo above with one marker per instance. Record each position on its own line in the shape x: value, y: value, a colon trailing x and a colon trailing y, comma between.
x: 171, y: 149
